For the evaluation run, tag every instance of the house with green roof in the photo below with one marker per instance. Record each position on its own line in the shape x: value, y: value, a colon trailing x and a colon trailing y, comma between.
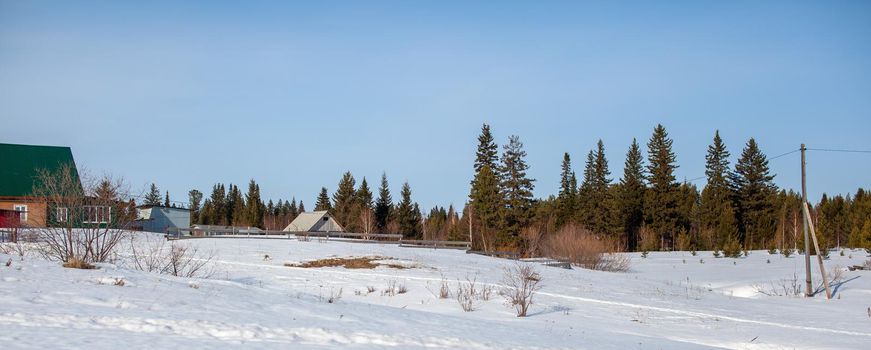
x: 19, y: 166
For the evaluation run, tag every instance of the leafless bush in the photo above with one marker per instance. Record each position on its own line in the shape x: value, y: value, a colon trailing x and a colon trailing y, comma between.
x: 582, y: 248
x: 444, y: 289
x: 522, y: 281
x: 155, y: 255
x: 390, y: 290
x: 87, y: 217
x: 402, y: 289
x: 14, y: 248
x: 466, y: 295
x: 783, y: 288
x: 486, y: 292
x: 334, y: 296
x: 370, y: 289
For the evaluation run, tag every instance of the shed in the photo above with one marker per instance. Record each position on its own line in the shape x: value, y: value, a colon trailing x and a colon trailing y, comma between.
x: 316, y: 221
x: 157, y: 218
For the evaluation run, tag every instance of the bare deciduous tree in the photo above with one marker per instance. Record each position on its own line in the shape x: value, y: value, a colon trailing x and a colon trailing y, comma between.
x: 522, y: 281
x: 86, y: 217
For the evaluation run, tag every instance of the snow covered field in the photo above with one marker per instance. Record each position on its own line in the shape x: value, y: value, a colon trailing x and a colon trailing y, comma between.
x: 667, y: 301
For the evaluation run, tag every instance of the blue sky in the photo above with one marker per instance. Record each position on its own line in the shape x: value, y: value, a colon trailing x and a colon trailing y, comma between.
x: 293, y: 94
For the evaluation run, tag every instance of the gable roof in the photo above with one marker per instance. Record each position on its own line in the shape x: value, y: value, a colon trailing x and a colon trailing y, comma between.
x: 308, y: 221
x: 19, y: 165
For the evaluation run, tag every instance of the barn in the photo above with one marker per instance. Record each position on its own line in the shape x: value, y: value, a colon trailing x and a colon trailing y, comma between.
x: 157, y: 218
x: 316, y: 221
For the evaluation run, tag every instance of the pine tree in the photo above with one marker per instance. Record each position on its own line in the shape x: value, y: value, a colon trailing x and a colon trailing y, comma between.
x: 568, y: 192
x: 517, y: 191
x: 485, y: 205
x: 717, y: 196
x: 409, y: 221
x: 383, y: 206
x: 632, y: 191
x: 253, y: 210
x: 345, y: 201
x: 237, y: 215
x: 487, y: 150
x: 195, y: 197
x: 753, y: 190
x: 661, y: 201
x: 323, y: 202
x: 585, y: 201
x: 600, y: 199
x: 153, y: 196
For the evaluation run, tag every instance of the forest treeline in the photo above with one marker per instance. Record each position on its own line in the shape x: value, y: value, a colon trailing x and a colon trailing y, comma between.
x: 739, y: 208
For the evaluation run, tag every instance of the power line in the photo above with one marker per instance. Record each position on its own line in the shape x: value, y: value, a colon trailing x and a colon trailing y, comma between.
x: 785, y: 154
x: 838, y: 150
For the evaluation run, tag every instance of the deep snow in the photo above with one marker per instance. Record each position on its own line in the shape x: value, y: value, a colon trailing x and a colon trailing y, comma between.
x: 667, y: 301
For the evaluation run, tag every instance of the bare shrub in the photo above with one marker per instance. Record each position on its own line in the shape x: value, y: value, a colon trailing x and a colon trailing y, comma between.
x: 334, y: 296
x: 466, y: 295
x: 87, y: 216
x: 390, y: 290
x: 401, y: 289
x: 177, y: 259
x: 444, y: 289
x: 521, y: 281
x: 783, y: 288
x: 370, y: 289
x: 582, y: 248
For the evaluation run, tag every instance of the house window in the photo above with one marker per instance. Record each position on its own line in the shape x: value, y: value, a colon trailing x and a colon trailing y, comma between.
x: 97, y: 214
x: 62, y: 214
x: 23, y: 210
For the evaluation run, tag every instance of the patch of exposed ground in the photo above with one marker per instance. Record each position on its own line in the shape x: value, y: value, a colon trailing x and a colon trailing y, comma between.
x: 367, y: 262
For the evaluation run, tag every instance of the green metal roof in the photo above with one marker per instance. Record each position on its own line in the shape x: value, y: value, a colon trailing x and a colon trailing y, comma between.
x: 19, y: 165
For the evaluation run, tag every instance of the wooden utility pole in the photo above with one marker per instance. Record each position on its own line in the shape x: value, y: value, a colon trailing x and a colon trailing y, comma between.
x: 807, y: 243
x: 810, y: 224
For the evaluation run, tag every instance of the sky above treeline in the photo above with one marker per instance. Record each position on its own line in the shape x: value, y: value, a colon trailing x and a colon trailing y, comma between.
x: 293, y: 94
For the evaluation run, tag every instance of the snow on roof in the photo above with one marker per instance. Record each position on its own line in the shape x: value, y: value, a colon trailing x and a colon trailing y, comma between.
x: 311, y: 221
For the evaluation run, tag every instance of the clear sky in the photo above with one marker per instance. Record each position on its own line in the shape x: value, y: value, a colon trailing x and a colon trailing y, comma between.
x: 292, y: 94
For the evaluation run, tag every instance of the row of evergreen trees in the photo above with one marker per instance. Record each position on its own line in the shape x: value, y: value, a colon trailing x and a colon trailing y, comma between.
x: 646, y: 209
x: 356, y: 209
x: 739, y: 208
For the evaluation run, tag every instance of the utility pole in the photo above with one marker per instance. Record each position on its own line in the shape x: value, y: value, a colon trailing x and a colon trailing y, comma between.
x: 808, y: 290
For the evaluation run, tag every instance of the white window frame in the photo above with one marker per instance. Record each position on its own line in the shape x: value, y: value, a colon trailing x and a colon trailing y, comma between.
x: 62, y: 214
x: 102, y: 214
x: 22, y: 208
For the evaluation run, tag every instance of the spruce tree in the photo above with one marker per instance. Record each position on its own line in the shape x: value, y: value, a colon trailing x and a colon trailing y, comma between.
x: 661, y: 202
x: 253, y: 206
x: 166, y: 200
x: 753, y: 190
x: 631, y: 192
x: 218, y: 213
x: 237, y: 217
x: 517, y: 191
x: 600, y: 198
x: 409, y: 221
x: 485, y: 205
x: 383, y: 206
x: 293, y: 210
x: 717, y: 196
x: 345, y: 201
x: 584, y: 202
x: 195, y: 197
x: 323, y: 202
x: 301, y: 207
x: 487, y: 150
x: 568, y: 192
x: 153, y: 196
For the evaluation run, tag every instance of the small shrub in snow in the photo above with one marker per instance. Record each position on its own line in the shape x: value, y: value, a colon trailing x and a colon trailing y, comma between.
x: 783, y: 288
x: 467, y: 294
x: 444, y: 289
x: 390, y: 290
x: 693, y: 252
x: 716, y: 253
x: 522, y: 281
x: 177, y: 259
x: 370, y: 289
x: 334, y: 296
x: 401, y: 289
x: 644, y: 254
x: 786, y: 252
x: 74, y: 263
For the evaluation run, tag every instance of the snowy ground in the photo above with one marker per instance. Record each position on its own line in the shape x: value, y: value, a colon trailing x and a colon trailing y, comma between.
x: 667, y: 301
